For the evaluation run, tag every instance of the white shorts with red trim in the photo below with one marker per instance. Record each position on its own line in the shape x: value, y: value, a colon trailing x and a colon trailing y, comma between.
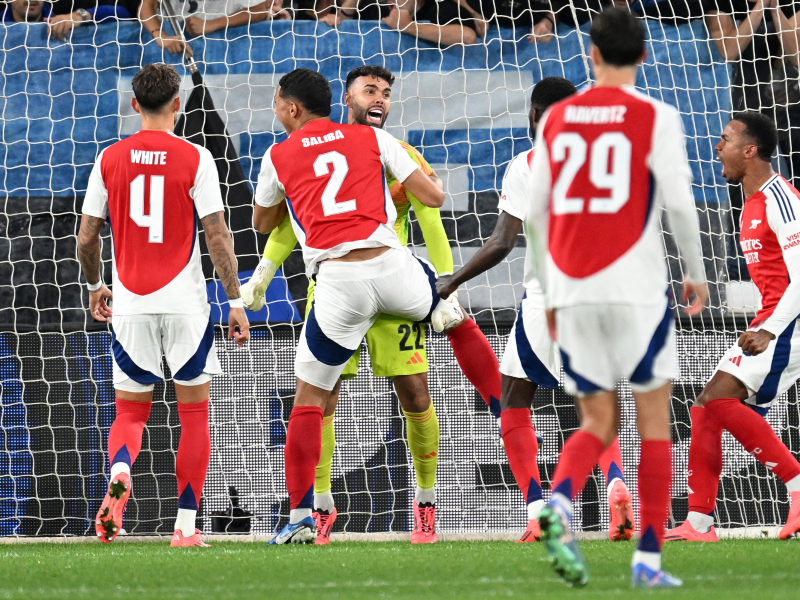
x: 348, y: 297
x: 139, y: 342
x: 602, y: 344
x: 530, y: 352
x: 768, y: 375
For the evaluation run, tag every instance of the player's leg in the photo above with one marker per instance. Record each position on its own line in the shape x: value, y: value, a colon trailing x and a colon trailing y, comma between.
x: 324, y: 514
x: 137, y: 353
x: 521, y: 446
x: 478, y: 362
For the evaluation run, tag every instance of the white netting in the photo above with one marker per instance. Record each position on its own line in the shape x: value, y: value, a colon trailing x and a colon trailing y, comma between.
x: 466, y: 110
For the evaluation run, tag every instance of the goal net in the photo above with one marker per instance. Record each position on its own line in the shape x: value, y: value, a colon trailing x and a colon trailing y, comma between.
x: 465, y: 108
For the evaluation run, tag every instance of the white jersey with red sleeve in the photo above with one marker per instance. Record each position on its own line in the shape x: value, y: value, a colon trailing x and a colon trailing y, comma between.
x: 515, y: 201
x: 153, y: 187
x: 607, y: 161
x: 332, y: 177
x: 770, y: 241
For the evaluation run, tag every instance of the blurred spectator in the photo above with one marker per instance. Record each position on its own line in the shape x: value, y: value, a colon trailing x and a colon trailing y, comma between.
x: 26, y: 11
x: 69, y: 14
x: 760, y: 39
x: 202, y: 17
x: 451, y: 22
x: 314, y: 10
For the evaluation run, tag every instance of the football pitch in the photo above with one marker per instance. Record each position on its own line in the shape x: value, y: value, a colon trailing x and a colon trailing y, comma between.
x: 728, y: 569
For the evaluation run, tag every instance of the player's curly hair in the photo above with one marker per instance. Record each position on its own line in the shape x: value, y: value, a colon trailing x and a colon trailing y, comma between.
x: 619, y: 36
x: 155, y: 85
x: 761, y: 129
x: 551, y: 90
x: 310, y: 89
x: 369, y: 71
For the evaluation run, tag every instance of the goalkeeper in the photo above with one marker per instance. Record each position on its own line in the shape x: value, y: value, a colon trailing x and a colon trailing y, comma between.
x: 396, y: 345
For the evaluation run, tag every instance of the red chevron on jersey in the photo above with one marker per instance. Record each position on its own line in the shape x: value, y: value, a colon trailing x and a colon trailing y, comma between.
x: 598, y: 145
x: 149, y: 177
x: 325, y: 157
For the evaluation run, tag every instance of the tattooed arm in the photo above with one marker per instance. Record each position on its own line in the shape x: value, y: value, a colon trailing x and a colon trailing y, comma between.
x: 220, y: 249
x: 89, y: 256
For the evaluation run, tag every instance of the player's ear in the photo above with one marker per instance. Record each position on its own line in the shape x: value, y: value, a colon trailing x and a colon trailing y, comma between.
x: 135, y: 105
x: 176, y: 104
x: 348, y: 100
x: 643, y: 57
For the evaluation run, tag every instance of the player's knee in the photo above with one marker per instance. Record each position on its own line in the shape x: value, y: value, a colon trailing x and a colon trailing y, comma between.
x: 412, y: 391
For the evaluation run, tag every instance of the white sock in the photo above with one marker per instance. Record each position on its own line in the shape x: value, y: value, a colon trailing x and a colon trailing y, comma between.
x: 324, y: 501
x: 652, y: 560
x: 186, y: 521
x: 611, y: 485
x: 700, y: 522
x: 423, y: 496
x: 298, y: 514
x: 534, y: 508
x: 118, y: 468
x: 793, y: 485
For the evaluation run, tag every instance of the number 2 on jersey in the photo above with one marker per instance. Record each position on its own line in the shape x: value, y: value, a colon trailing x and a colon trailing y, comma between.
x: 609, y: 169
x: 330, y: 206
x: 155, y: 220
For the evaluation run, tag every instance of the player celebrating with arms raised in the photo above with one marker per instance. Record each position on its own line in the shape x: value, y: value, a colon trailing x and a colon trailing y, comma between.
x: 151, y: 187
x: 531, y: 357
x: 607, y: 160
x: 766, y: 360
x: 329, y: 177
x: 396, y: 344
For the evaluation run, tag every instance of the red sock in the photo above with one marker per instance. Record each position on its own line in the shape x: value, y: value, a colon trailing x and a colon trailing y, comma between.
x: 478, y: 362
x: 705, y: 461
x: 655, y: 478
x: 611, y: 462
x: 125, y: 435
x: 301, y: 454
x: 756, y: 435
x: 194, y: 453
x: 521, y: 449
x: 578, y: 458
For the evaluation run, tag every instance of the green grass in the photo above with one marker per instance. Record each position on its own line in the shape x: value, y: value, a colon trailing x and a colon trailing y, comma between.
x: 761, y: 569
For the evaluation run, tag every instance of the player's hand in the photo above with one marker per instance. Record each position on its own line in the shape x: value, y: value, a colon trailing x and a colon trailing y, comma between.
x: 542, y: 32
x: 60, y: 26
x: 98, y: 304
x: 237, y: 317
x: 550, y: 313
x: 755, y: 342
x: 700, y: 293
x: 172, y: 44
x: 445, y: 286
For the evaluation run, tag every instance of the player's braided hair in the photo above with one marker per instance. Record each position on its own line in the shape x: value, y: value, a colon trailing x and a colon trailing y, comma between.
x: 619, y: 36
x: 369, y: 71
x: 155, y: 85
x: 551, y: 90
x: 310, y: 89
x: 761, y: 129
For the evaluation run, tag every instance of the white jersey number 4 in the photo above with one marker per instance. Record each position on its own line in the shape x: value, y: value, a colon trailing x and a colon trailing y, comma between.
x: 155, y: 220
x: 329, y: 204
x: 609, y: 169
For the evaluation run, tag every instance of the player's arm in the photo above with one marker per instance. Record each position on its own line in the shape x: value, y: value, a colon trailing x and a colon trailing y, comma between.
x: 210, y: 210
x: 279, y: 246
x: 406, y: 171
x: 670, y: 167
x: 729, y: 39
x: 270, y: 200
x: 787, y: 231
x: 95, y: 212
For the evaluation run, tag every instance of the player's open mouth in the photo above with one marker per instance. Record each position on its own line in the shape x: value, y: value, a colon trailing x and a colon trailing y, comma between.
x: 375, y: 115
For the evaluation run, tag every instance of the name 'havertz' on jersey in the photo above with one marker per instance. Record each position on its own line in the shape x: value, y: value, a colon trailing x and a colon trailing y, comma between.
x: 331, y: 179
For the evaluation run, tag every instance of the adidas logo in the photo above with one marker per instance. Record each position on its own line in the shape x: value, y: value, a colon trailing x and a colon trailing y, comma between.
x: 415, y: 360
x: 770, y: 465
x: 737, y: 360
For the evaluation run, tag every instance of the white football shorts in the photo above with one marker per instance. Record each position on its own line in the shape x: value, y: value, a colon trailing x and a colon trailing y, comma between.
x: 768, y: 375
x: 139, y: 341
x: 348, y: 297
x: 601, y: 344
x: 530, y: 352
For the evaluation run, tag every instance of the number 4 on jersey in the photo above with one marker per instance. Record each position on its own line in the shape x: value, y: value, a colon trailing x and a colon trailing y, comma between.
x: 155, y: 220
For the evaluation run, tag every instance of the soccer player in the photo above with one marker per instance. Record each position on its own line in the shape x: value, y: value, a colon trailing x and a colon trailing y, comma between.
x: 766, y: 360
x: 396, y: 344
x: 531, y: 357
x: 329, y: 177
x: 607, y: 161
x: 151, y: 187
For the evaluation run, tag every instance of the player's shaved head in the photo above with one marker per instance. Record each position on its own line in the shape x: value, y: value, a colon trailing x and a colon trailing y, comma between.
x: 546, y: 93
x: 155, y: 85
x: 309, y: 89
x: 762, y: 132
x: 368, y: 95
x: 619, y: 36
